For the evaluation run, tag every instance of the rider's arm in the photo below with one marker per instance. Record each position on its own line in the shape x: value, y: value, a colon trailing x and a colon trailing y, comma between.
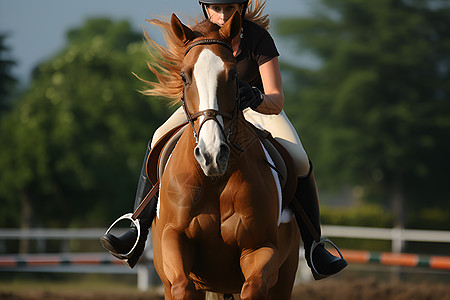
x: 273, y: 91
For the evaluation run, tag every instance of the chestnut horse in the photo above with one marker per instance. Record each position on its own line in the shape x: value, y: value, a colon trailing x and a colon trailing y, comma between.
x: 218, y: 225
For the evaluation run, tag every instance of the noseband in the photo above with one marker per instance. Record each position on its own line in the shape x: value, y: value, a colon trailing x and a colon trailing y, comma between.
x: 211, y: 114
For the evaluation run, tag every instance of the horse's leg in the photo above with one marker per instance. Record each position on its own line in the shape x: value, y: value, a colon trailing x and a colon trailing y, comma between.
x: 177, y: 263
x: 282, y: 290
x: 289, y: 241
x: 260, y: 269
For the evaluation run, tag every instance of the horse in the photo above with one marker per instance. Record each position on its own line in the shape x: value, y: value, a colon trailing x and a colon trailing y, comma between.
x: 218, y: 226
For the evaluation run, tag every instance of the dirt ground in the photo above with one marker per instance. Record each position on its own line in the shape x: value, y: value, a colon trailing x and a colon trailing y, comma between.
x: 336, y: 289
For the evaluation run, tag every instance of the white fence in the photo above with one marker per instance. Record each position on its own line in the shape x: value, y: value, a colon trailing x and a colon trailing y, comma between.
x: 397, y: 236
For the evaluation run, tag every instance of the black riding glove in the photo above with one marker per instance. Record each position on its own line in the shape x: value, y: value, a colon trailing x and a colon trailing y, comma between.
x: 249, y: 96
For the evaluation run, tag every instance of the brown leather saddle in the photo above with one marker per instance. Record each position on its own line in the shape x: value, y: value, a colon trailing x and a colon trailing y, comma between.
x: 282, y: 160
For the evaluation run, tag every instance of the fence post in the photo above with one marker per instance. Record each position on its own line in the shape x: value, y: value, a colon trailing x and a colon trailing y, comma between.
x: 143, y: 277
x: 304, y: 272
x: 397, y: 247
x: 397, y: 239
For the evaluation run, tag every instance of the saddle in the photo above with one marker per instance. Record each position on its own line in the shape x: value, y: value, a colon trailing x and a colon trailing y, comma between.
x: 283, y: 163
x: 160, y: 153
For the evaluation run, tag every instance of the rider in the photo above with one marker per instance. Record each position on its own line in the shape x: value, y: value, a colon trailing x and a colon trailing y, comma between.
x: 262, y: 99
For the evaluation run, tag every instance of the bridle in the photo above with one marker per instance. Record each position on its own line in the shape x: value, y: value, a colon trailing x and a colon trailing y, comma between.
x: 211, y: 114
x: 208, y: 42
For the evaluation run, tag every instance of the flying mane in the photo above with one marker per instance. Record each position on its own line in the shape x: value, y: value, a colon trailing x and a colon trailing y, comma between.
x: 166, y: 61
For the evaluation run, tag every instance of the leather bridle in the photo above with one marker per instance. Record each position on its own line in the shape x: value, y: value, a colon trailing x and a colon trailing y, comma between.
x: 208, y: 42
x: 211, y: 114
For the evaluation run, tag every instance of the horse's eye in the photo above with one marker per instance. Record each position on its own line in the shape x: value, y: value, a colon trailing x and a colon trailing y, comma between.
x: 183, y: 77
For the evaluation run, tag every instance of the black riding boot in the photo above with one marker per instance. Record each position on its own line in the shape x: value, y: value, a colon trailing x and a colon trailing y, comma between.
x: 123, y: 244
x: 325, y: 263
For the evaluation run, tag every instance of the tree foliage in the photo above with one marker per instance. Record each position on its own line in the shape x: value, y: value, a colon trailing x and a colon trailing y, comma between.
x: 72, y: 146
x: 376, y: 113
x: 7, y: 81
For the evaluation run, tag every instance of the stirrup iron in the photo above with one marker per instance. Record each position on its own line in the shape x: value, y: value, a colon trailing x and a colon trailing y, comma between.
x: 314, y: 245
x: 128, y: 216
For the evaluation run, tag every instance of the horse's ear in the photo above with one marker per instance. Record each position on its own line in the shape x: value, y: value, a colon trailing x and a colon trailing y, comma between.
x: 181, y: 31
x: 232, y: 27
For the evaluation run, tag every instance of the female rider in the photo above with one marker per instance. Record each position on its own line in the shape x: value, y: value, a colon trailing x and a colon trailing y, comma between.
x: 262, y: 99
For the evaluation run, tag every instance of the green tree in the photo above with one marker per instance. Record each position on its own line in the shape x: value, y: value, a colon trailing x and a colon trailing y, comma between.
x: 7, y: 81
x: 376, y: 113
x: 73, y: 145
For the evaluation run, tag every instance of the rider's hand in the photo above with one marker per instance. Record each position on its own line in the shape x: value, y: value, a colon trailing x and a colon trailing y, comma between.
x: 249, y: 96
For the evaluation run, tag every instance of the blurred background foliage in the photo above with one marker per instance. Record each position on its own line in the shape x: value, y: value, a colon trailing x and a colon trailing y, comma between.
x: 73, y: 141
x: 373, y: 115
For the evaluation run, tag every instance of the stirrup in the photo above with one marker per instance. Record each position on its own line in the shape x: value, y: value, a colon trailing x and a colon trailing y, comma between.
x: 322, y: 241
x: 128, y: 216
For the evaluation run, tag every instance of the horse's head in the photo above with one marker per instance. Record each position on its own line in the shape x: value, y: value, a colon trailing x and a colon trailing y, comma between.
x: 209, y: 77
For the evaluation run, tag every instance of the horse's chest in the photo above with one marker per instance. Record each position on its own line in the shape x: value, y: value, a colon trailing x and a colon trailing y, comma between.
x: 211, y: 228
x: 231, y: 215
x: 203, y: 227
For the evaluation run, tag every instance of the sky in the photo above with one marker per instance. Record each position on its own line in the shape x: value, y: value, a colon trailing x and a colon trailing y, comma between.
x: 36, y: 28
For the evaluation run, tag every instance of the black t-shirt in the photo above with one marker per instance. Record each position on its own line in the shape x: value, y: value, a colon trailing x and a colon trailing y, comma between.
x: 256, y: 48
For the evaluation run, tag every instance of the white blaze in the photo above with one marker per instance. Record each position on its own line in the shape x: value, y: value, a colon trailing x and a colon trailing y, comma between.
x: 206, y: 72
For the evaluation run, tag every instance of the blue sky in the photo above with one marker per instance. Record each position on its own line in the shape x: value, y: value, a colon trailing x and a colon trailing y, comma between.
x: 36, y: 28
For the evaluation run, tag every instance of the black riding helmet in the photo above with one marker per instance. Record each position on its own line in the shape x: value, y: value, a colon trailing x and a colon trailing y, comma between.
x: 206, y: 2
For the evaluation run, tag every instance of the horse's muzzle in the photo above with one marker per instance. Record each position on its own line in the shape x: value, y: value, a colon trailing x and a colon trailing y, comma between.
x: 214, y: 163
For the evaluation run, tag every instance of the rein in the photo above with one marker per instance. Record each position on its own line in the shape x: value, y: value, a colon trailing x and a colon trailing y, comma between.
x: 211, y: 114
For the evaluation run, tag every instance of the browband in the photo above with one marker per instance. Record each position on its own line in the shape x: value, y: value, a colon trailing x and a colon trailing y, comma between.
x: 208, y: 42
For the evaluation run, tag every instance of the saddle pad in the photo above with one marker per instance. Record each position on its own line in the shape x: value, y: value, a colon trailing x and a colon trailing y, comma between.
x: 285, y: 214
x: 283, y: 163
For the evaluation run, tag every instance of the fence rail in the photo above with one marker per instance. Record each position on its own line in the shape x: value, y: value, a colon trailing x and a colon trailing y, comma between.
x: 352, y: 256
x: 53, y: 233
x: 396, y: 235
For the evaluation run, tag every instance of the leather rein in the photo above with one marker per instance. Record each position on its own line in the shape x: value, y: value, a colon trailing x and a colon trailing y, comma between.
x: 212, y: 114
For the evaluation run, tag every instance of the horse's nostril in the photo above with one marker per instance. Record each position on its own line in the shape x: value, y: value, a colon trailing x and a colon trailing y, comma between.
x: 224, y: 154
x: 202, y: 156
x: 197, y: 152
